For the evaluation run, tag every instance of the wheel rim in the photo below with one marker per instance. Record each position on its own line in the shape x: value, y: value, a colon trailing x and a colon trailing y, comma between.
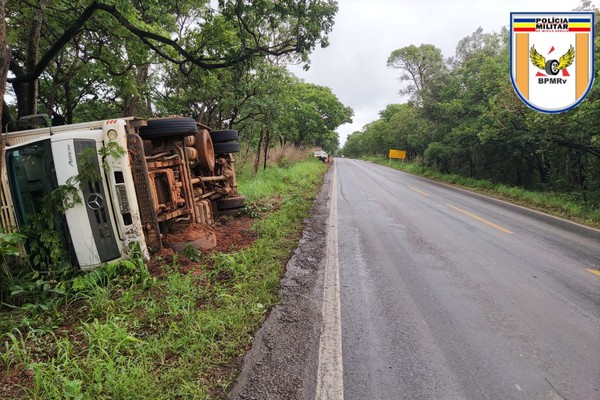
x: 206, y: 151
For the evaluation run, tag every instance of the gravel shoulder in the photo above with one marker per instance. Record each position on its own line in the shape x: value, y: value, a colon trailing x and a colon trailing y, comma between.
x: 282, y: 363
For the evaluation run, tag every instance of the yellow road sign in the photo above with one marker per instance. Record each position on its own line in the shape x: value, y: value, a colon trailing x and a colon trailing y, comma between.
x: 401, y: 154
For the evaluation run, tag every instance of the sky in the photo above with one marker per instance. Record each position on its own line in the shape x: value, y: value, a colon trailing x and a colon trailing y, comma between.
x: 367, y: 31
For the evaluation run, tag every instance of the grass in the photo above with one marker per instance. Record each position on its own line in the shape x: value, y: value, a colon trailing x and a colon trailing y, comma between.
x: 279, y: 156
x: 181, y: 336
x: 563, y: 205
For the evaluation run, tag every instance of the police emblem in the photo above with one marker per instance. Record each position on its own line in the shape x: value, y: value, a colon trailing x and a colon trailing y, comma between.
x: 552, y: 58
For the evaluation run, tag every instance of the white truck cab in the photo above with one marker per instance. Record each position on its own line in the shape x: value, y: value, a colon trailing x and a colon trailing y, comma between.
x: 166, y: 175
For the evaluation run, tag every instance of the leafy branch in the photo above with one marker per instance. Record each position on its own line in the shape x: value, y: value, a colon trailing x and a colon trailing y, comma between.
x: 163, y: 45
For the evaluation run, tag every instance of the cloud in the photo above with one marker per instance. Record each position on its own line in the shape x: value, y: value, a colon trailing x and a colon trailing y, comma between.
x: 366, y: 32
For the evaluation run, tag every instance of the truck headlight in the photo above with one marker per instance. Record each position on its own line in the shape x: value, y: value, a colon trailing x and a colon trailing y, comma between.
x: 112, y: 134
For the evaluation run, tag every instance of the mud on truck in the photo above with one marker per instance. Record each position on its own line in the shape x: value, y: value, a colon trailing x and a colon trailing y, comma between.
x: 171, y: 173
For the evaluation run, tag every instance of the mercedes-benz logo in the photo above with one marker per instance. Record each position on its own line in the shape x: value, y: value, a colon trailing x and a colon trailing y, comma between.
x: 95, y: 201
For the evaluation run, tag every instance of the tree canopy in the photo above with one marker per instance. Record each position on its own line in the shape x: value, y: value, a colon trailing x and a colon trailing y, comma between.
x: 221, y: 62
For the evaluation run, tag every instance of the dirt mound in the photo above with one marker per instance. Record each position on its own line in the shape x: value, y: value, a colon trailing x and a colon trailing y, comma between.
x: 234, y: 233
x: 200, y: 236
x: 229, y: 234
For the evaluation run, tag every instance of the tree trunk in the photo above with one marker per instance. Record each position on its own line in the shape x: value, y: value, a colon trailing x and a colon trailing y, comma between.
x: 4, y: 65
x: 24, y: 105
x: 471, y: 164
x: 266, y: 156
x: 50, y: 103
x: 581, y: 175
x: 200, y: 117
x: 249, y: 146
x: 542, y: 168
x: 234, y: 114
x: 260, y: 141
x: 8, y: 123
x: 132, y: 107
x: 27, y: 92
x: 300, y: 138
x: 69, y: 103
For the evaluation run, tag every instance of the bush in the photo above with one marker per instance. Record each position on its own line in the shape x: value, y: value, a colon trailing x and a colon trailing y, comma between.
x: 10, y: 263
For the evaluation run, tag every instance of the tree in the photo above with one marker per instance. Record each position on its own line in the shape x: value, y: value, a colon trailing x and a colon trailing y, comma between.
x: 4, y: 67
x: 286, y: 109
x: 419, y: 65
x: 355, y: 146
x: 315, y: 114
x: 401, y: 127
x: 466, y: 119
x: 237, y: 31
x: 298, y: 26
x: 108, y: 47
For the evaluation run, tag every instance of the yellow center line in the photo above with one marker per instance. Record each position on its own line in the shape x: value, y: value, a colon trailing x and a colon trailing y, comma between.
x: 485, y: 221
x: 419, y: 191
x: 397, y: 181
x: 594, y: 271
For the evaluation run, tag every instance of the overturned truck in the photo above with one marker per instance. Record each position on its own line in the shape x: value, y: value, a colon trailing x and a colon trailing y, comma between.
x: 151, y: 178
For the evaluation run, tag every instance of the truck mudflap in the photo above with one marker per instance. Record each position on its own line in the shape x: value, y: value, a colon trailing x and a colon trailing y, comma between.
x: 141, y: 179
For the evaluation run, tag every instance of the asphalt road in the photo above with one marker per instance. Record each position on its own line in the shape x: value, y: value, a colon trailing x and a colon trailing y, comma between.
x: 449, y: 295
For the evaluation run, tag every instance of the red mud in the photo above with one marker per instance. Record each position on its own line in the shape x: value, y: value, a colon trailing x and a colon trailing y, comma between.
x: 231, y: 234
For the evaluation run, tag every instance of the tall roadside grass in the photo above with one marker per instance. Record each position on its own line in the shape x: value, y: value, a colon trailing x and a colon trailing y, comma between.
x: 563, y: 205
x: 179, y: 336
x: 278, y: 156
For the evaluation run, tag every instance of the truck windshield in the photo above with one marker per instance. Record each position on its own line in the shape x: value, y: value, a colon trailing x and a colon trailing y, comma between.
x: 32, y: 177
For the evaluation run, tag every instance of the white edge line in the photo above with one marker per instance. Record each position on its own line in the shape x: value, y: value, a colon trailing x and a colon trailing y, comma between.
x: 495, y: 199
x: 330, y: 373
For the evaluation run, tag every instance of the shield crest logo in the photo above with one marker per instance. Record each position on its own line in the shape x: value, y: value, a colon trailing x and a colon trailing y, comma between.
x: 552, y: 58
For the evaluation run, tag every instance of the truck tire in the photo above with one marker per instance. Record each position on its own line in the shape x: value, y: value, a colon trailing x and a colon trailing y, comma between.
x: 206, y: 151
x: 231, y: 203
x: 229, y: 135
x: 228, y: 147
x: 168, y: 128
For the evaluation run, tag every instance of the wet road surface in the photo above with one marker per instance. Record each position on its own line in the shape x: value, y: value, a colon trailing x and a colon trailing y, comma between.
x: 449, y: 295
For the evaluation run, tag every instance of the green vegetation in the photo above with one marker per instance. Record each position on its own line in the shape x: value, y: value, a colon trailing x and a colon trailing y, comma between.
x: 464, y: 119
x: 566, y: 205
x: 222, y: 63
x: 49, y: 267
x: 122, y: 332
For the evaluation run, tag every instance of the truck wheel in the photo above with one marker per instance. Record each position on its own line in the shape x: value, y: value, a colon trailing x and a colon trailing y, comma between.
x: 206, y: 151
x: 228, y: 147
x: 224, y: 136
x: 231, y: 203
x: 169, y: 127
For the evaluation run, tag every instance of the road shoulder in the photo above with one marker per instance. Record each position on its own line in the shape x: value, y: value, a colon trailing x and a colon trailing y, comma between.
x: 283, y: 360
